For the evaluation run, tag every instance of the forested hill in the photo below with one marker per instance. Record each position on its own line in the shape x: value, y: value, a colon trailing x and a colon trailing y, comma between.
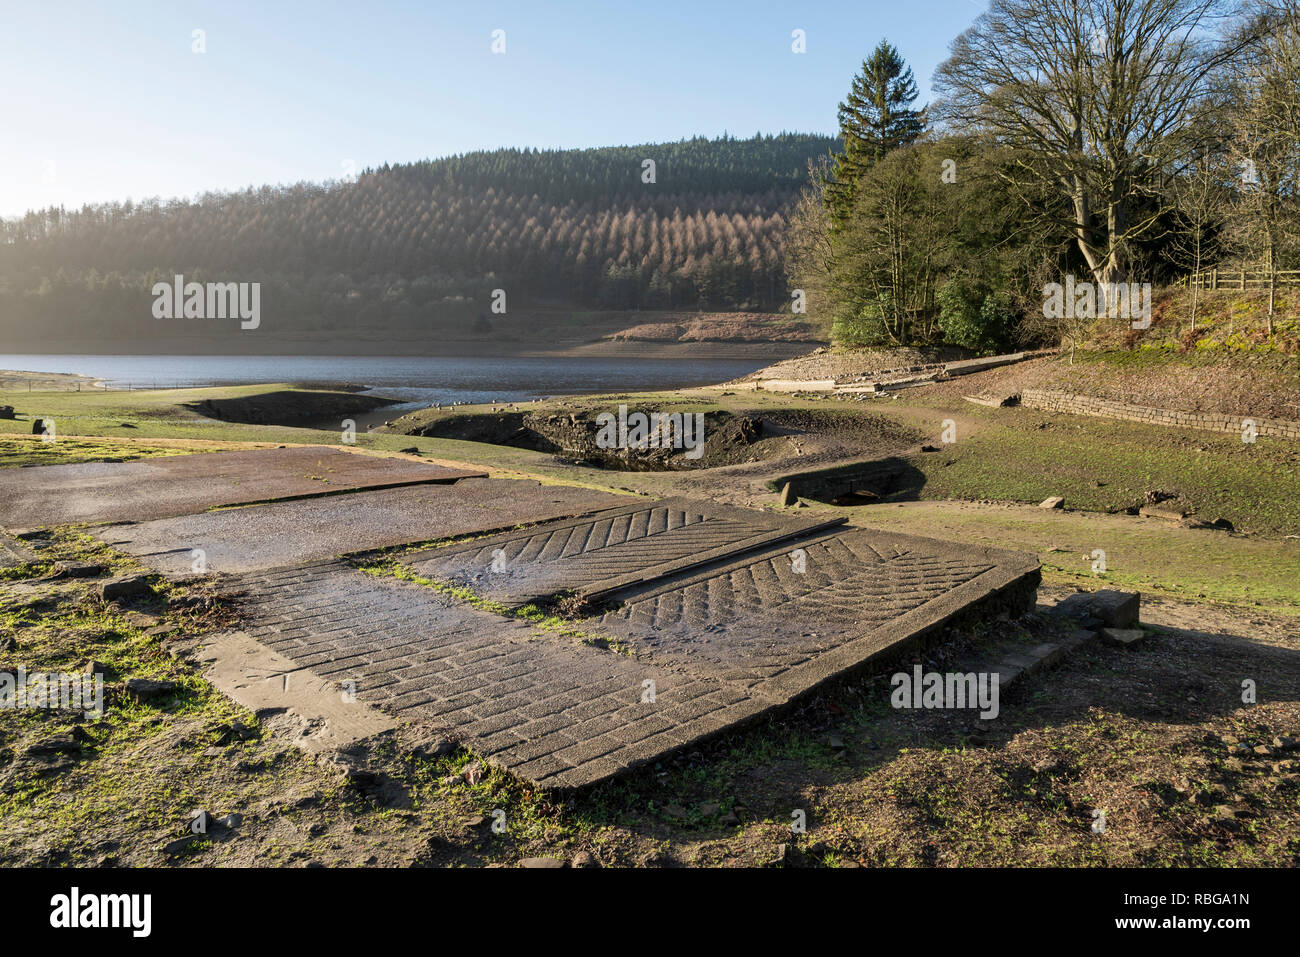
x: 422, y: 245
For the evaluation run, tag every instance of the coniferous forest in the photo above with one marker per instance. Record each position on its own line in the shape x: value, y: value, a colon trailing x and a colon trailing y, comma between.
x: 409, y: 248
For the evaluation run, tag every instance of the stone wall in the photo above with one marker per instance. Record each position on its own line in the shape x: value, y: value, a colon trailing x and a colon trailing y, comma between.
x: 1211, y: 421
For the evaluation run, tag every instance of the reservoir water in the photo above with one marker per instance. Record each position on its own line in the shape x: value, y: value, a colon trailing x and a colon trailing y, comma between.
x: 412, y: 379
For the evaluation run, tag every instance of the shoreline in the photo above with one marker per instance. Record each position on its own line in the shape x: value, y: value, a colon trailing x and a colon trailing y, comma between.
x: 453, y: 349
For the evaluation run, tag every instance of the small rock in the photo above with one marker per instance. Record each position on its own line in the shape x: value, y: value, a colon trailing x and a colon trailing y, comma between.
x: 541, y: 862
x: 1123, y: 637
x: 433, y: 748
x: 710, y: 808
x: 1116, y: 609
x: 730, y: 819
x: 125, y: 588
x: 1168, y: 514
x: 95, y: 668
x: 1056, y: 501
x: 582, y: 859
x: 675, y: 811
x: 788, y: 497
x: 58, y: 744
x: 231, y: 821
x: 76, y: 570
x: 148, y: 689
x: 473, y: 772
x: 179, y: 846
x: 836, y: 742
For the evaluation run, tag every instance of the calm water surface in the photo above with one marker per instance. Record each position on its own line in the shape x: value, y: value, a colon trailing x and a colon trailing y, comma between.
x: 417, y: 380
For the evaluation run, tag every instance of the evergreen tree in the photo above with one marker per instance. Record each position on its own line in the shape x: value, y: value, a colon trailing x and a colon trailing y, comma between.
x: 876, y: 118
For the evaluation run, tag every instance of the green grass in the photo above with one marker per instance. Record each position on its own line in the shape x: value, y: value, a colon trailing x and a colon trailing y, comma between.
x: 1109, y: 466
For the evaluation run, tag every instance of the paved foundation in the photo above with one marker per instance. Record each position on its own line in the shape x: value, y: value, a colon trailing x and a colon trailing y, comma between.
x: 710, y: 648
x: 607, y: 551
x: 308, y: 530
x: 183, y: 484
x: 546, y: 708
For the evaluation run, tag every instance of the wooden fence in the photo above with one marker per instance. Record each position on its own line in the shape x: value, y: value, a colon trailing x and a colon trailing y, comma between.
x: 1240, y: 279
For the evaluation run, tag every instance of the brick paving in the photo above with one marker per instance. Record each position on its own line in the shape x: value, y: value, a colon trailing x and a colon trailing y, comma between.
x: 721, y: 645
x: 547, y: 708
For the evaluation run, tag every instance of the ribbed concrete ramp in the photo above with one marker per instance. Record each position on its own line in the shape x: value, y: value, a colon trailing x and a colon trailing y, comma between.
x: 789, y: 617
x: 609, y: 550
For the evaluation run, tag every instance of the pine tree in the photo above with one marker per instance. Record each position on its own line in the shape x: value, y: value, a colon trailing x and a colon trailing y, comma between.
x: 876, y: 118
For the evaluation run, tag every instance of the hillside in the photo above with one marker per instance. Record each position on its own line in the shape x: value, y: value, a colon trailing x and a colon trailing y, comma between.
x: 414, y: 251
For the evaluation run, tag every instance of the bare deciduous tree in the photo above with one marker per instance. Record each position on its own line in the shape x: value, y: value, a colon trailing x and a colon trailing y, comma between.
x: 1096, y: 97
x: 809, y: 257
x: 1266, y: 144
x: 1200, y: 197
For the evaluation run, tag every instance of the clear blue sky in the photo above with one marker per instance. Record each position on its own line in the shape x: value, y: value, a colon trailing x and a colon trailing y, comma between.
x: 107, y: 100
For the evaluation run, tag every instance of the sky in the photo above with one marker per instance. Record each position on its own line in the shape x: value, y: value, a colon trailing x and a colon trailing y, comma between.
x: 110, y: 101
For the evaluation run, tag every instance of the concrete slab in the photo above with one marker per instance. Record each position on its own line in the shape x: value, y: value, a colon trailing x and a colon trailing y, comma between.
x: 308, y: 530
x: 270, y: 685
x: 609, y: 550
x: 183, y: 484
x: 13, y: 552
